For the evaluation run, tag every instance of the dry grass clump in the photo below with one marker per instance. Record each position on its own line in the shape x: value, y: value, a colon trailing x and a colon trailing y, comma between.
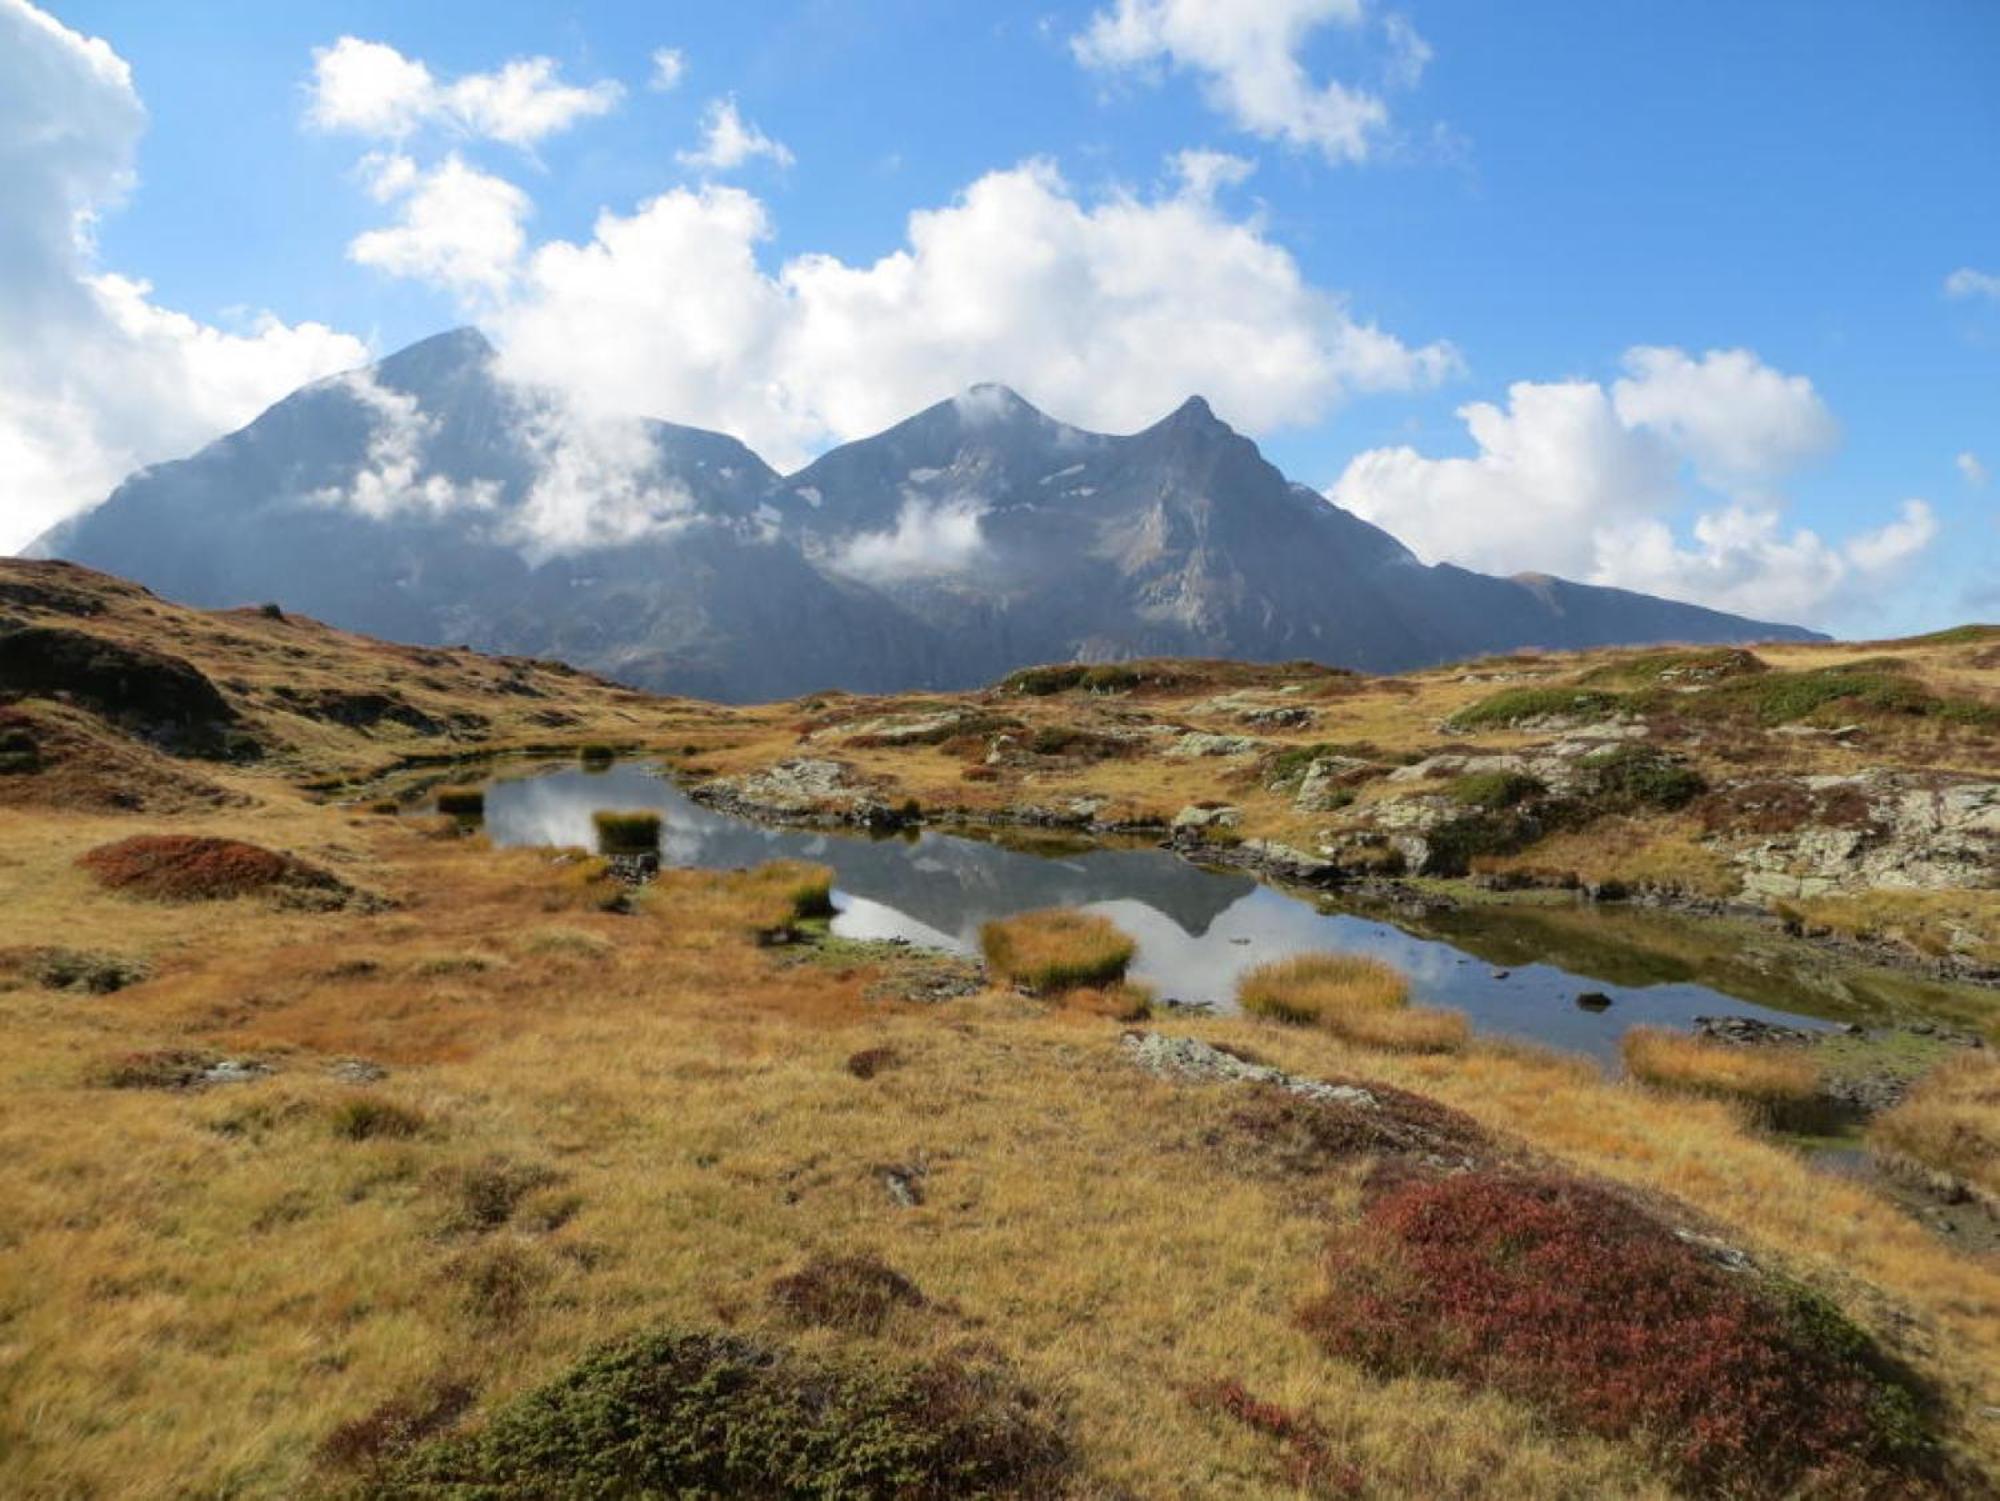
x: 1056, y: 949
x: 636, y: 832
x: 1949, y: 1126
x: 195, y: 868
x: 371, y: 1117
x: 785, y: 892
x: 1780, y: 1086
x: 1354, y: 996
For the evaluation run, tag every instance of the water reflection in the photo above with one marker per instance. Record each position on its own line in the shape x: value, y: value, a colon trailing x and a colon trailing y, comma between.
x: 1197, y: 930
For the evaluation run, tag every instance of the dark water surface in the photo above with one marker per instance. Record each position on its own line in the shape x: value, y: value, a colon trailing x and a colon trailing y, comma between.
x: 1197, y: 929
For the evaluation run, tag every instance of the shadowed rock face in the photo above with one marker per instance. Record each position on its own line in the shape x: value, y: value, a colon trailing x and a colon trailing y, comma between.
x: 158, y: 697
x: 428, y: 501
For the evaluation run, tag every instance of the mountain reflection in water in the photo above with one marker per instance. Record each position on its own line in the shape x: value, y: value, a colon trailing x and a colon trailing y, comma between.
x: 1197, y: 930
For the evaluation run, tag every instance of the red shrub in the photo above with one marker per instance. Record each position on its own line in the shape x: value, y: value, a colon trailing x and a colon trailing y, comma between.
x: 1567, y: 1296
x: 193, y: 868
x: 1310, y: 1463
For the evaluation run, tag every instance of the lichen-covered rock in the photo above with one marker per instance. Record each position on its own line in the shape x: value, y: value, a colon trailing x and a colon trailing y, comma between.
x: 1196, y: 743
x: 1875, y: 830
x: 1197, y: 819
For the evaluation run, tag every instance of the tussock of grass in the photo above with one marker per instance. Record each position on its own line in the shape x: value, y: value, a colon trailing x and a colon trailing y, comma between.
x: 573, y: 943
x: 1056, y: 949
x: 1779, y: 1085
x: 636, y: 832
x: 856, y: 1293
x: 1354, y: 996
x: 371, y: 1117
x: 1949, y: 1125
x: 787, y: 892
x: 462, y: 802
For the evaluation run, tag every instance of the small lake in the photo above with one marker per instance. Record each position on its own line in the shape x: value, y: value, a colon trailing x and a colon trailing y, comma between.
x: 1197, y: 929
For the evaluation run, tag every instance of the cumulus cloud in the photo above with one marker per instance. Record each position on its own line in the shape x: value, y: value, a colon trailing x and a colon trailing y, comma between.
x: 1247, y: 55
x: 669, y: 67
x: 369, y: 88
x: 1205, y: 173
x: 1662, y: 483
x: 929, y: 538
x: 1972, y: 469
x: 459, y: 228
x: 598, y: 483
x: 668, y: 310
x: 392, y: 480
x: 728, y: 141
x: 1966, y: 282
x: 96, y: 379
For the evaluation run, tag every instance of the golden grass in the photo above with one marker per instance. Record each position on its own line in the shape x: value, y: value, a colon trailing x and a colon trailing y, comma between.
x: 1780, y: 1085
x: 1354, y: 996
x: 1949, y: 1125
x: 1056, y: 949
x: 197, y: 1289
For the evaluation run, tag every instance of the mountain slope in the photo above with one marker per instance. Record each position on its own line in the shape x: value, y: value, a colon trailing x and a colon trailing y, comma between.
x: 427, y: 500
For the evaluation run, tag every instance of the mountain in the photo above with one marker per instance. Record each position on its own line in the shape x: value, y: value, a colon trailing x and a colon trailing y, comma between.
x: 427, y: 500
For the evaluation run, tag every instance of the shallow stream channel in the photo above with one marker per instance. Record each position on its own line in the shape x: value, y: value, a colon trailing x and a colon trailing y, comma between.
x: 1570, y: 976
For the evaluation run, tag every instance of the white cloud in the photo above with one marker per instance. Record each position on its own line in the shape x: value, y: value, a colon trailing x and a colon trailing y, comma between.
x: 668, y: 311
x: 371, y: 89
x: 728, y: 141
x: 928, y: 539
x: 95, y: 378
x: 1204, y: 173
x: 459, y: 228
x: 1733, y: 415
x: 1247, y: 55
x: 391, y: 481
x: 597, y: 484
x: 1573, y: 479
x: 1966, y: 282
x: 1973, y: 470
x: 669, y: 67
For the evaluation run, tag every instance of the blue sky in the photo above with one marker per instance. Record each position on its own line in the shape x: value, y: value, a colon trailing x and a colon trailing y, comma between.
x: 1700, y: 270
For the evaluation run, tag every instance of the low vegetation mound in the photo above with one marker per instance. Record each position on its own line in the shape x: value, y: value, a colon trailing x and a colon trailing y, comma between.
x: 859, y: 1294
x: 1564, y: 1295
x: 79, y: 970
x: 1165, y: 675
x: 1678, y: 669
x: 1354, y: 996
x: 707, y: 1414
x: 792, y: 891
x: 149, y: 693
x: 1280, y: 1133
x: 1056, y: 949
x: 198, y: 868
x: 1875, y: 687
x: 1948, y: 1129
x: 1780, y: 1086
x: 1516, y: 706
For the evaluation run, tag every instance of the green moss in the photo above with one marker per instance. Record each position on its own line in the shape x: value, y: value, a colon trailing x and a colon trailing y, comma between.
x: 710, y: 1414
x: 1876, y: 686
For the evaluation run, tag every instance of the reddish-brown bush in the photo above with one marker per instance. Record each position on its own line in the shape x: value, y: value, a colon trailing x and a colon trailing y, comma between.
x: 869, y: 1062
x: 369, y: 1442
x: 197, y: 868
x: 1310, y: 1463
x: 1567, y: 1296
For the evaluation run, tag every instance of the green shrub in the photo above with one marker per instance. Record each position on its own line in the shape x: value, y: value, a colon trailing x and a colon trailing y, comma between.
x: 697, y: 1414
x: 1514, y: 706
x: 1494, y: 789
x: 462, y: 802
x: 636, y: 832
x: 1637, y: 776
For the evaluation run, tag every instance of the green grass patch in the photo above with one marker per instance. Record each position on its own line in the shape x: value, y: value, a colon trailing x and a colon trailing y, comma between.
x: 1876, y: 686
x: 1494, y: 789
x: 1681, y: 668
